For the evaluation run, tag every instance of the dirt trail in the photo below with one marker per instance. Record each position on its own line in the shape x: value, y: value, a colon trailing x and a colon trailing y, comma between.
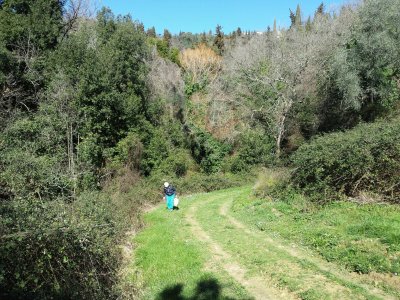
x: 307, y: 273
x: 321, y: 266
x: 258, y: 287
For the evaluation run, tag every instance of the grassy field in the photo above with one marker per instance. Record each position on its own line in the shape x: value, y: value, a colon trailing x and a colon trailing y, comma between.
x: 230, y: 245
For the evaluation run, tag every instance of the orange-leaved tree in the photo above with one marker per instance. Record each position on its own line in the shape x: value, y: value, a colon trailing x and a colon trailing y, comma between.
x: 201, y: 64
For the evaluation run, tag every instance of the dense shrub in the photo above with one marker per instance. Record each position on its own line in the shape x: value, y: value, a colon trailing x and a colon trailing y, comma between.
x: 59, y: 250
x: 366, y: 158
x: 255, y: 147
x: 32, y: 163
x: 127, y: 153
x: 208, y: 151
x: 178, y: 163
x: 155, y: 151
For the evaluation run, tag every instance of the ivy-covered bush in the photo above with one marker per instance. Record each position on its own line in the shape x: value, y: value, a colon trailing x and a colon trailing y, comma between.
x: 364, y: 159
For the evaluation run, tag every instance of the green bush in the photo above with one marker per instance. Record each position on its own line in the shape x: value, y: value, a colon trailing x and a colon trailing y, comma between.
x: 255, y: 147
x: 177, y: 164
x: 32, y: 162
x: 208, y: 151
x: 58, y: 250
x: 366, y: 158
x: 155, y: 151
x: 127, y: 153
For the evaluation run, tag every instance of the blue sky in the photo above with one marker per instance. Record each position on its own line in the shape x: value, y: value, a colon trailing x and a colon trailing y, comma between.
x: 203, y: 15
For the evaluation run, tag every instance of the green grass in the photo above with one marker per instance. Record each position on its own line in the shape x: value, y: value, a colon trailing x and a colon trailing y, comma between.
x: 171, y: 263
x: 261, y: 257
x: 364, y: 238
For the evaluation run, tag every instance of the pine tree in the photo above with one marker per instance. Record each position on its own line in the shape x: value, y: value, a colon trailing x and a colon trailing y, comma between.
x: 167, y: 37
x: 321, y: 9
x: 238, y: 31
x: 219, y: 39
x: 140, y: 27
x: 308, y: 24
x: 292, y: 17
x: 298, y: 16
x: 295, y: 18
x: 151, y: 32
x: 203, y: 38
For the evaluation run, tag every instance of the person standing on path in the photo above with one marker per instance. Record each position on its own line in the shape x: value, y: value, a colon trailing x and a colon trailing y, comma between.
x: 169, y: 192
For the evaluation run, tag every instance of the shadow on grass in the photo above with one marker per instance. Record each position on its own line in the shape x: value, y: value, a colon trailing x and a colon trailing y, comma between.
x: 208, y: 289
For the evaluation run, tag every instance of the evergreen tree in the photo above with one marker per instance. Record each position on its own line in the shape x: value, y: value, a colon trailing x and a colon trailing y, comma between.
x: 151, y: 32
x: 308, y: 24
x: 298, y: 16
x: 29, y: 30
x: 203, y: 38
x: 295, y: 18
x: 167, y: 37
x: 238, y: 31
x: 140, y: 27
x: 292, y: 17
x: 219, y: 39
x: 321, y: 9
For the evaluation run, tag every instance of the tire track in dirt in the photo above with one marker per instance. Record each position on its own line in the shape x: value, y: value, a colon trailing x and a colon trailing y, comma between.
x: 258, y: 287
x: 326, y: 269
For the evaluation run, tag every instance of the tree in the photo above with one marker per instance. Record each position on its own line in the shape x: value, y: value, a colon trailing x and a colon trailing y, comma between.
x: 140, y: 27
x: 274, y: 77
x: 320, y: 10
x: 73, y: 11
x: 151, y: 32
x: 201, y: 65
x: 219, y: 39
x: 298, y: 16
x: 29, y: 30
x: 295, y: 18
x: 203, y: 39
x: 308, y: 24
x: 167, y: 37
x: 292, y: 17
x: 239, y: 31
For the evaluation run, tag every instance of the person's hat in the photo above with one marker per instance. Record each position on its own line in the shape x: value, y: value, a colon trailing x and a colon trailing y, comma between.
x: 166, y: 184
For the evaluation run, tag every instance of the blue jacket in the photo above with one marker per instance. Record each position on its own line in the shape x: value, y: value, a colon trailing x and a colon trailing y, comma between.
x: 169, y: 190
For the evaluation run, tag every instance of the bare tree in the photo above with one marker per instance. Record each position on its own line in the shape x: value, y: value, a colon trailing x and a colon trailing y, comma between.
x: 165, y: 81
x: 273, y: 72
x: 75, y: 10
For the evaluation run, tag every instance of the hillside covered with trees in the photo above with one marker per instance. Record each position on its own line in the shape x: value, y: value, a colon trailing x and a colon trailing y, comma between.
x: 96, y: 112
